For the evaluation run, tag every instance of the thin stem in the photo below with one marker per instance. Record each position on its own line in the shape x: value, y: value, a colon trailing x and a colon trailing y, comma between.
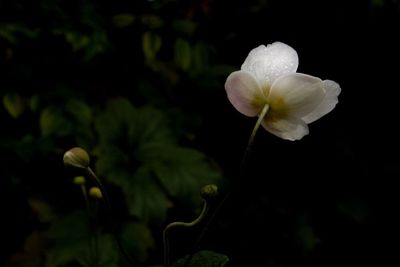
x: 252, y: 136
x: 102, y: 188
x: 243, y: 163
x: 92, y: 254
x: 180, y: 224
x: 110, y: 215
x: 95, y: 236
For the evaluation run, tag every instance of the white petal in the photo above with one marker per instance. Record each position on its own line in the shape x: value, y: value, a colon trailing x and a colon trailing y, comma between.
x: 288, y: 128
x: 244, y: 92
x: 270, y: 62
x: 332, y: 90
x: 296, y: 94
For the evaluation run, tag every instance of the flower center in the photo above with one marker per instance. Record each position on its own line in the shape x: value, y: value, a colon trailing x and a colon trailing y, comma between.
x: 278, y: 109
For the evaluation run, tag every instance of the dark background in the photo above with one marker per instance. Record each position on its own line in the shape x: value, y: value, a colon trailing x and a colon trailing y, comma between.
x: 327, y: 200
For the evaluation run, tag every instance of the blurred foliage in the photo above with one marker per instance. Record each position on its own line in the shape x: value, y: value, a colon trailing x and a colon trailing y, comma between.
x: 139, y: 136
x: 70, y: 239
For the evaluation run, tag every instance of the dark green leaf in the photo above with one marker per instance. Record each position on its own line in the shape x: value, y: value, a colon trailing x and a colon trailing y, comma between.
x: 137, y: 152
x: 71, y: 238
x: 137, y: 240
x: 80, y: 111
x: 123, y: 20
x: 98, y: 44
x: 144, y: 197
x: 151, y: 44
x: 204, y: 258
x: 184, y: 26
x: 306, y: 236
x: 52, y: 122
x: 200, y: 56
x: 77, y: 40
x: 152, y: 21
x: 72, y: 118
x: 182, y: 171
x: 182, y: 54
x: 10, y: 32
x: 14, y: 104
x: 126, y: 127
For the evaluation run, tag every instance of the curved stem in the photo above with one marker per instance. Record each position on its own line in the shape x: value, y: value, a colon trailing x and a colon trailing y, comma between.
x: 243, y: 163
x: 110, y: 215
x: 180, y: 224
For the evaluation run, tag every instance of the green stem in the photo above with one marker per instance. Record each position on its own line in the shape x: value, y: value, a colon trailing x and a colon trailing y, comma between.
x: 95, y: 236
x: 241, y: 169
x: 253, y: 135
x: 180, y: 224
x: 92, y: 254
x: 110, y: 215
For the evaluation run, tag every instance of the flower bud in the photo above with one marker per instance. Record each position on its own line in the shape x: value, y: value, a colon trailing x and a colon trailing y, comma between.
x: 76, y: 157
x: 95, y: 192
x: 209, y: 192
x: 79, y: 180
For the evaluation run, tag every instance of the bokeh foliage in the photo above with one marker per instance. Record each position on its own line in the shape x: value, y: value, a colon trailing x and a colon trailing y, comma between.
x: 56, y: 54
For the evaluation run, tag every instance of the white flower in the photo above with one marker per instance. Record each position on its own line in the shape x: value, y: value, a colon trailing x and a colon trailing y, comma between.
x: 268, y: 79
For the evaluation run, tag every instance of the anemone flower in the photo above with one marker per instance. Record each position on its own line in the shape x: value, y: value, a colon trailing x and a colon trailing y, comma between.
x: 268, y: 86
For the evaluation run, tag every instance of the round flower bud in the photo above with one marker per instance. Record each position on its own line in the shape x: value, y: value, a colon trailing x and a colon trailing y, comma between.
x: 95, y: 192
x: 209, y: 191
x: 79, y: 180
x: 76, y: 157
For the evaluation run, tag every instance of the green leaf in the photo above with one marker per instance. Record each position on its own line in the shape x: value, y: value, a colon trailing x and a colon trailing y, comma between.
x: 77, y: 40
x: 70, y: 239
x: 98, y: 44
x: 184, y: 26
x: 14, y: 104
x: 79, y: 111
x: 34, y: 103
x: 182, y: 171
x: 145, y: 199
x: 72, y: 118
x: 52, y: 122
x: 307, y: 238
x: 151, y: 44
x: 138, y: 152
x: 116, y: 119
x: 137, y: 239
x: 152, y: 21
x: 182, y: 54
x: 10, y: 32
x: 204, y: 258
x: 124, y: 126
x: 200, y: 56
x: 123, y: 20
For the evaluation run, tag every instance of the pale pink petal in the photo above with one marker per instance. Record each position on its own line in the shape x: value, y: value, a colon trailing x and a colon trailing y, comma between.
x: 332, y: 90
x: 288, y: 128
x: 244, y: 92
x: 267, y: 63
x: 296, y: 94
